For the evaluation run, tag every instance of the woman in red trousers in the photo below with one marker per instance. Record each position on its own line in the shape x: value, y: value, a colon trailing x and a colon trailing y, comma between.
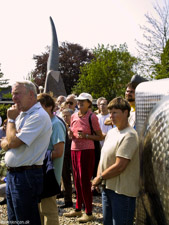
x: 83, y: 155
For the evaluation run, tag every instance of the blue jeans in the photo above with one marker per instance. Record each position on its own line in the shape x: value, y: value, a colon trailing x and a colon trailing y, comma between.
x: 23, y: 191
x: 117, y: 209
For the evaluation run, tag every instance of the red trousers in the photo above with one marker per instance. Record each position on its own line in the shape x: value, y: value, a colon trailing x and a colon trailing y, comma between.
x: 83, y: 166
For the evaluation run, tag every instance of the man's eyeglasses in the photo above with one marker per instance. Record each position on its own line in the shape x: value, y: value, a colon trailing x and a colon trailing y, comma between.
x: 71, y: 103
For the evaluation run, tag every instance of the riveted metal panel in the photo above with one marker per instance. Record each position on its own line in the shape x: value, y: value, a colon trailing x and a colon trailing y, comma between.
x: 152, y: 125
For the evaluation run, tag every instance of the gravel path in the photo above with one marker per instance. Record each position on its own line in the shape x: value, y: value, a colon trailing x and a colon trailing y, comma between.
x: 97, y: 213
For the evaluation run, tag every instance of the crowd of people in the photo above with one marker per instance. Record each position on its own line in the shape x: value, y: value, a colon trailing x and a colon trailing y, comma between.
x: 46, y: 138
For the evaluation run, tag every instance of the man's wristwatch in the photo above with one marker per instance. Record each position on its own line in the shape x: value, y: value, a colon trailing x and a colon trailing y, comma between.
x: 11, y: 121
x: 87, y: 136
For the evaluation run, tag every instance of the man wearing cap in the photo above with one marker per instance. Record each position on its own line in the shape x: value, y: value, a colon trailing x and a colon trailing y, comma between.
x: 83, y: 155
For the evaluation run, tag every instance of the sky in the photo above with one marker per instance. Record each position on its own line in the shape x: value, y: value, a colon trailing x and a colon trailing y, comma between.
x: 26, y: 31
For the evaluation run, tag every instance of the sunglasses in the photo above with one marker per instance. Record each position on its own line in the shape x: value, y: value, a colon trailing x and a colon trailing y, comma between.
x: 71, y: 103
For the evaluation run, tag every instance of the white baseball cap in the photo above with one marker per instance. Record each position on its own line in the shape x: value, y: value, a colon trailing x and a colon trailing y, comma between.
x: 84, y: 96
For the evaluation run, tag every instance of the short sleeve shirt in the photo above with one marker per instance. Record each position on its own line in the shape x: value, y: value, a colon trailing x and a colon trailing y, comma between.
x: 132, y: 117
x: 123, y: 144
x: 34, y: 129
x: 58, y: 135
x: 104, y: 128
x: 82, y: 124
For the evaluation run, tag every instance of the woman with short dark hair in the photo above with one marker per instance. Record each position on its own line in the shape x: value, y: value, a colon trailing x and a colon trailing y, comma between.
x: 118, y: 170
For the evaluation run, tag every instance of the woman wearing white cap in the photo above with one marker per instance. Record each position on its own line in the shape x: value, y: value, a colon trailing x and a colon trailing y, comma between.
x: 83, y: 155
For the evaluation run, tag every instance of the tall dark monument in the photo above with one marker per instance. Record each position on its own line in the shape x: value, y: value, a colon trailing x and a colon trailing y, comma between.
x: 54, y: 82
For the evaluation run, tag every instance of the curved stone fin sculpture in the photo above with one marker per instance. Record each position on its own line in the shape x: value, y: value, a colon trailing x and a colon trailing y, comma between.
x: 54, y: 82
x: 53, y: 60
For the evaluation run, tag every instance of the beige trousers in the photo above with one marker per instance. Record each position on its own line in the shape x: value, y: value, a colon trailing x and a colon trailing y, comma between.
x: 49, y: 211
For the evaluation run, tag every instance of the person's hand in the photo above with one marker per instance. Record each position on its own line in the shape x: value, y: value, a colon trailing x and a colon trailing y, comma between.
x: 95, y: 188
x: 96, y: 181
x: 13, y: 112
x: 2, y: 180
x: 108, y: 122
x: 81, y: 134
x: 70, y: 133
x: 4, y: 144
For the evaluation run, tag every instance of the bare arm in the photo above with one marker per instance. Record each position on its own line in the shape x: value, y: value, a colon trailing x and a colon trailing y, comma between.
x: 98, y: 175
x: 58, y: 150
x: 95, y: 137
x: 11, y: 140
x: 114, y: 170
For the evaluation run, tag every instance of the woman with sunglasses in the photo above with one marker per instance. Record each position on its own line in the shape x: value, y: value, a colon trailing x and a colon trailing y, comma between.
x: 83, y: 155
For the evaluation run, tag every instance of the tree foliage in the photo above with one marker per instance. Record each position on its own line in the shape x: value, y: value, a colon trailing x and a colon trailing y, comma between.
x: 108, y: 73
x: 3, y: 110
x: 162, y: 69
x: 71, y: 58
x: 156, y: 34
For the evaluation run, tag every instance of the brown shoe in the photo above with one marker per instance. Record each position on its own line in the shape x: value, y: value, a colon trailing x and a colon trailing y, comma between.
x: 85, y: 218
x: 73, y: 214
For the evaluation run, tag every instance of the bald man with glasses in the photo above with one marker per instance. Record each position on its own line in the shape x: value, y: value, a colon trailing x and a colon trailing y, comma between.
x: 71, y: 102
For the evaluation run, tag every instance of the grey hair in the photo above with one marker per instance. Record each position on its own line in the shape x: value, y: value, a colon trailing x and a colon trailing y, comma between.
x: 68, y: 110
x: 30, y: 86
x: 100, y: 99
x: 62, y: 96
x: 71, y: 96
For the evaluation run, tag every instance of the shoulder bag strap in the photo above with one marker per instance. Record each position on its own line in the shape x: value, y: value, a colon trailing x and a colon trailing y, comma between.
x: 90, y: 122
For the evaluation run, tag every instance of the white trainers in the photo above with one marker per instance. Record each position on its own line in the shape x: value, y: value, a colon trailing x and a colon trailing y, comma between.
x: 85, y: 218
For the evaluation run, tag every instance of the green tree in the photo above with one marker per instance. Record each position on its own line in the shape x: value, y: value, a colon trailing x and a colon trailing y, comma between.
x: 3, y: 110
x: 162, y: 69
x: 108, y: 73
x: 71, y: 58
x: 156, y: 34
